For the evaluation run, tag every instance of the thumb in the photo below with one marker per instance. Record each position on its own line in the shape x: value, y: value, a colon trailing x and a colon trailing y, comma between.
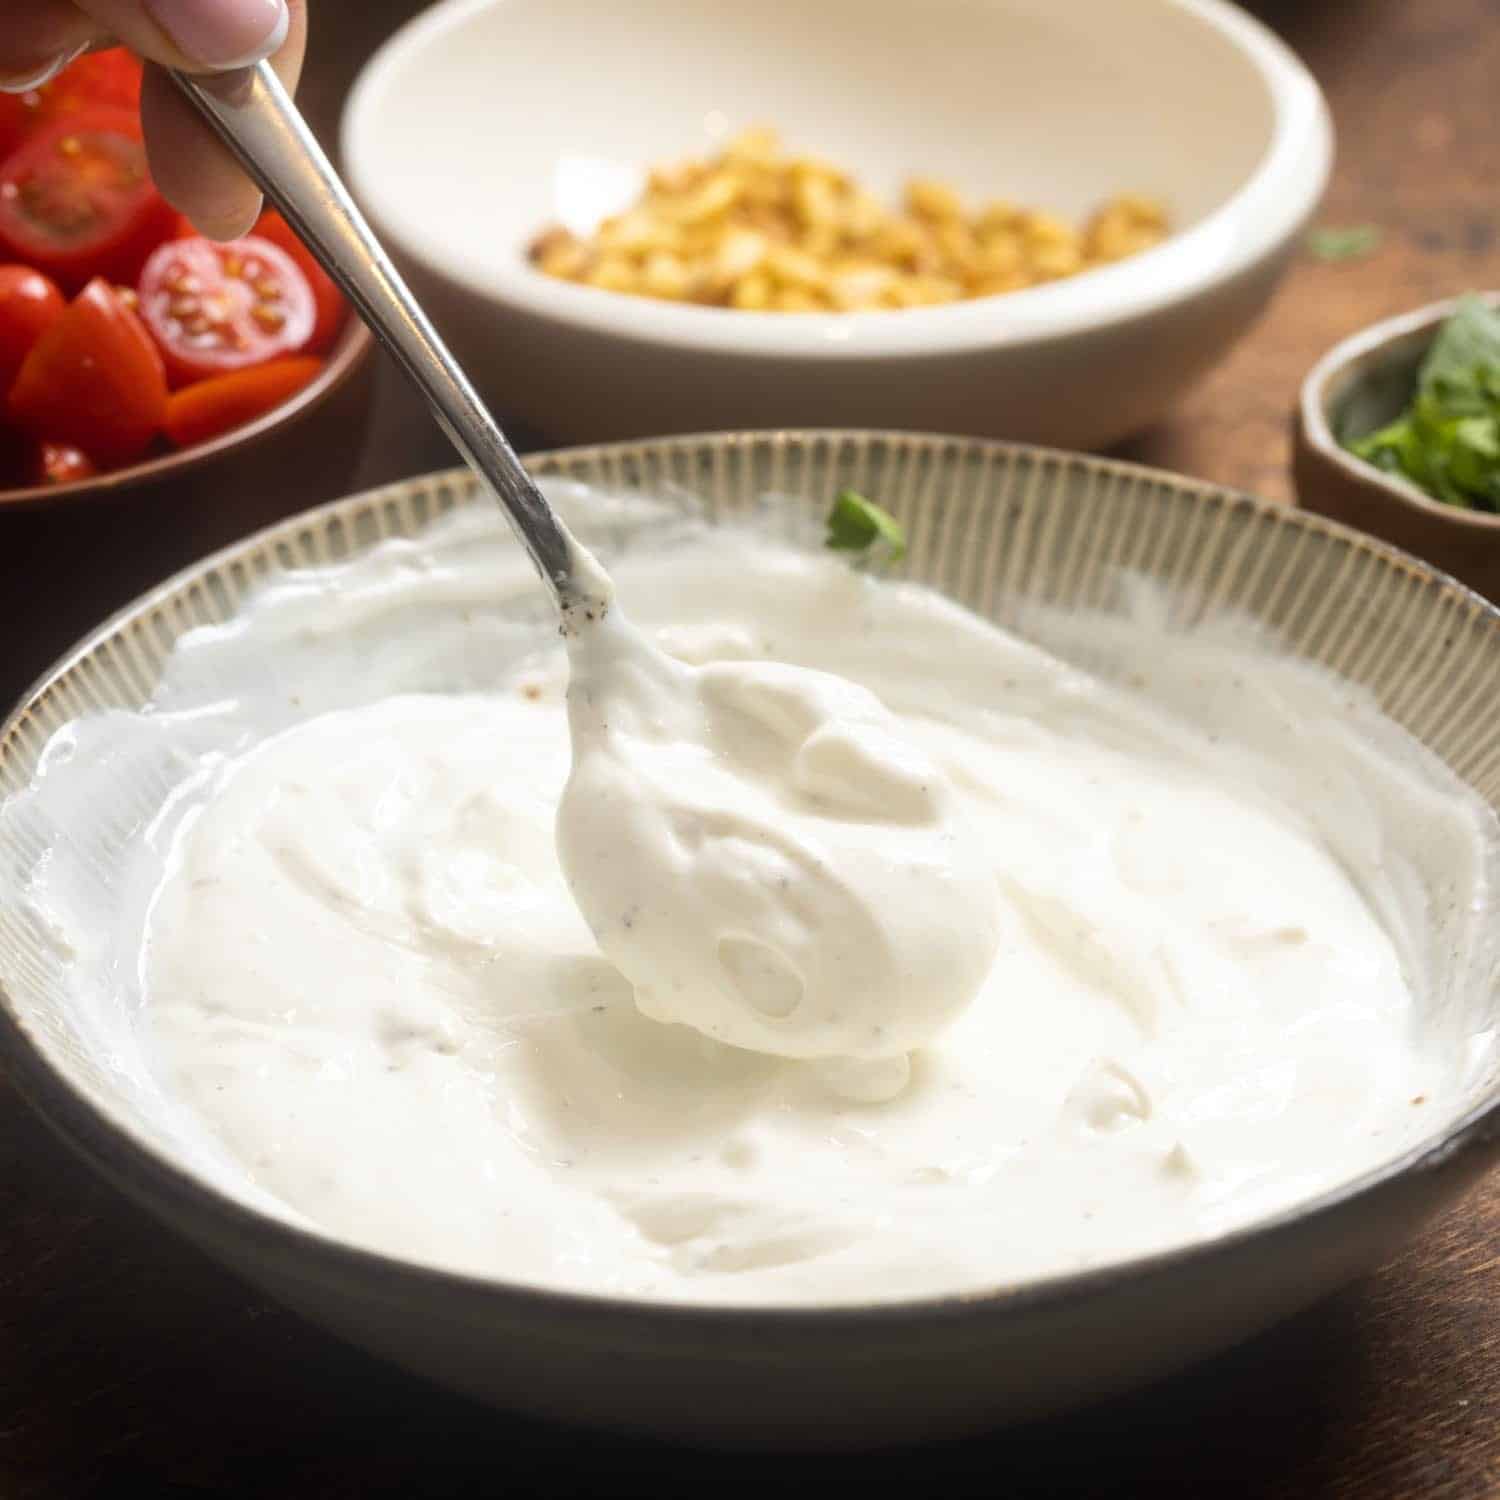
x: 195, y: 35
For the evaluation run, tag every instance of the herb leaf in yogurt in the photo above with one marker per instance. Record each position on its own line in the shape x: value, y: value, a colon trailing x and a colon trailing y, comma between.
x: 859, y: 525
x: 1447, y: 442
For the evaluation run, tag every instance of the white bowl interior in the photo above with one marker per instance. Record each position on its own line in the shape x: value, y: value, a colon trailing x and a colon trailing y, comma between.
x: 486, y: 120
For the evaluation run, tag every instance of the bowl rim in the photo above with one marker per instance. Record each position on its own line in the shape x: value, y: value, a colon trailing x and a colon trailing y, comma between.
x: 353, y: 346
x: 1347, y: 362
x: 1257, y: 222
x: 134, y: 1162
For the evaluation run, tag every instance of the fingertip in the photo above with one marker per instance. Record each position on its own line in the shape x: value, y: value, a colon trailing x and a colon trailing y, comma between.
x: 192, y: 167
x: 38, y: 46
x: 226, y: 222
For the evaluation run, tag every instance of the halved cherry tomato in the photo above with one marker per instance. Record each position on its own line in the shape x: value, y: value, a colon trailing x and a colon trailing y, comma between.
x: 210, y: 407
x: 332, y: 309
x: 214, y: 309
x: 15, y: 123
x: 111, y: 78
x: 77, y: 201
x: 93, y: 380
x: 59, y: 463
x: 29, y: 303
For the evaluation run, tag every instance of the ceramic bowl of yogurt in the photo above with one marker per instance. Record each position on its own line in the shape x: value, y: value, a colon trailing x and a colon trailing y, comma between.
x: 287, y: 950
x: 482, y: 122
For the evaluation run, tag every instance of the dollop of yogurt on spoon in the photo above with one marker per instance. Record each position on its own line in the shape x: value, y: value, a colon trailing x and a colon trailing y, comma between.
x: 766, y: 859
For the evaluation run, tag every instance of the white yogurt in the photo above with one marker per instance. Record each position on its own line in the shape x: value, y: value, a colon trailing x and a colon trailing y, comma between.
x: 767, y: 856
x: 369, y: 990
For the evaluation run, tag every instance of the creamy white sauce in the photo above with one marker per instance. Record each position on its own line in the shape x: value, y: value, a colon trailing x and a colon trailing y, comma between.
x: 366, y: 984
x: 767, y: 855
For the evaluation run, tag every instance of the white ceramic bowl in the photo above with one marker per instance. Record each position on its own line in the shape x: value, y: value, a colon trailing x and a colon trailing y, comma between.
x: 1015, y: 533
x: 485, y: 120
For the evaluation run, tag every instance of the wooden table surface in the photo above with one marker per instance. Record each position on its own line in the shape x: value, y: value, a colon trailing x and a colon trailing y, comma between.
x: 128, y: 1359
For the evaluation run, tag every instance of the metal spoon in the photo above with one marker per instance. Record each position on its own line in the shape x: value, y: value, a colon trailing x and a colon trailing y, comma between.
x: 253, y: 114
x: 257, y: 120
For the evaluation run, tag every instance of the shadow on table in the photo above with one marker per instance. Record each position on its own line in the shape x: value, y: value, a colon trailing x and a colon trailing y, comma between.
x: 1310, y: 26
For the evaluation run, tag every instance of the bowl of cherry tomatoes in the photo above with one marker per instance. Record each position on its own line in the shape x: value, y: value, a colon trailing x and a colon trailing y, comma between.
x: 132, y: 350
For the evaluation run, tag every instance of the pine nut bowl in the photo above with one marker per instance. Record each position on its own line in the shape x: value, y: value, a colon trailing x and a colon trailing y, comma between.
x: 1029, y: 538
x: 484, y: 122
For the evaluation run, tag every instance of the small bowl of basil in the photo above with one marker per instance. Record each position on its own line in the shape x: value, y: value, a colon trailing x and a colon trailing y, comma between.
x: 1398, y: 434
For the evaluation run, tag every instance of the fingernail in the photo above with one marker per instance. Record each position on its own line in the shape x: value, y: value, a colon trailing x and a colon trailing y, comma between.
x: 223, y: 33
x: 45, y: 74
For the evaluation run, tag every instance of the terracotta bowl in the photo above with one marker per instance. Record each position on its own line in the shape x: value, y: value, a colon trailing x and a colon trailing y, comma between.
x: 237, y: 460
x: 1014, y: 533
x: 1357, y: 387
x: 89, y: 548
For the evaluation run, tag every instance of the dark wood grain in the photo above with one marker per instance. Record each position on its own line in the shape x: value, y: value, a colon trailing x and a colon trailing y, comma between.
x: 128, y: 1363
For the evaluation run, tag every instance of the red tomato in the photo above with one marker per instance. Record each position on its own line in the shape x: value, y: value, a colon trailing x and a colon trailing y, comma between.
x: 29, y: 303
x: 59, y: 463
x: 15, y: 122
x: 111, y: 79
x: 332, y: 309
x: 77, y: 201
x: 211, y: 407
x: 214, y: 309
x: 93, y: 380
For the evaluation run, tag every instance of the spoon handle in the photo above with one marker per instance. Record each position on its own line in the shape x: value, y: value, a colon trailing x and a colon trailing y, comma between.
x: 257, y: 120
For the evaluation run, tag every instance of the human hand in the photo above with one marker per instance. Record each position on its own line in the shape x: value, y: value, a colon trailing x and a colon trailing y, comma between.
x: 194, y: 171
